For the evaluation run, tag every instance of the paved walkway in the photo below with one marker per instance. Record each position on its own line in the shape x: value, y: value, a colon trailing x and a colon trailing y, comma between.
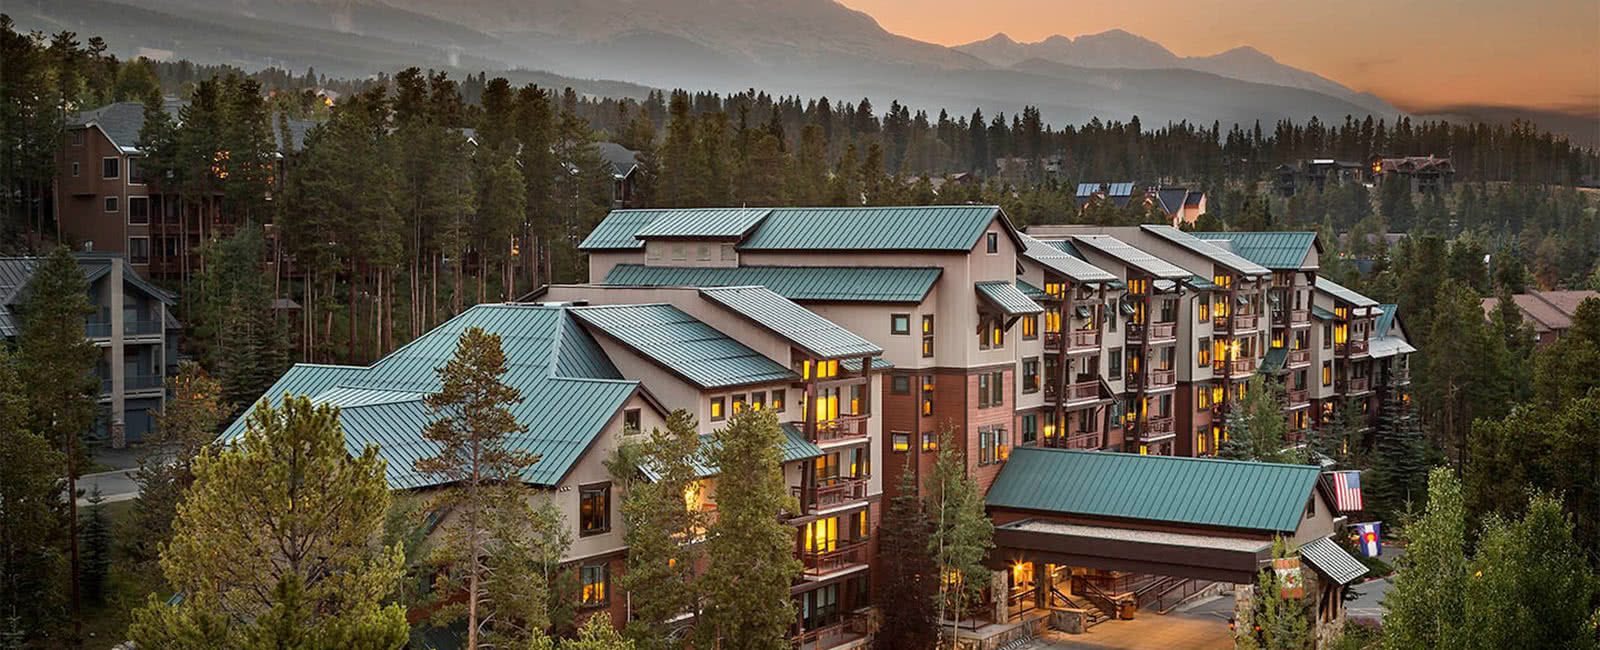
x: 1202, y: 627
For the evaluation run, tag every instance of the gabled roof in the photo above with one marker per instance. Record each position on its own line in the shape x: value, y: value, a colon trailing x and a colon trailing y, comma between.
x: 1111, y: 189
x: 1169, y: 489
x: 569, y: 393
x: 681, y: 344
x: 1338, y: 291
x: 1281, y: 251
x: 16, y: 272
x: 1007, y: 298
x: 1194, y: 199
x: 920, y: 228
x: 1215, y: 254
x: 800, y: 283
x: 1070, y: 265
x: 1171, y: 198
x: 622, y: 159
x: 1332, y: 560
x: 800, y: 326
x: 1382, y: 343
x: 121, y: 122
x: 1131, y: 256
x: 731, y: 224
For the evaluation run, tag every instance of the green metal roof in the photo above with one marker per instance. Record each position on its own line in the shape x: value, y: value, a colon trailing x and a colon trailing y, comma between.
x: 1201, y: 283
x: 794, y: 447
x: 854, y: 364
x: 798, y: 325
x: 936, y: 227
x: 617, y: 229
x: 1274, y: 250
x: 1274, y: 360
x: 683, y: 345
x: 1211, y: 251
x: 1322, y: 314
x: 1386, y: 314
x: 802, y: 283
x: 703, y: 223
x: 1030, y: 291
x: 1131, y: 256
x: 1332, y: 560
x: 1005, y: 296
x: 1067, y: 264
x: 1338, y: 291
x: 1198, y: 491
x: 567, y: 397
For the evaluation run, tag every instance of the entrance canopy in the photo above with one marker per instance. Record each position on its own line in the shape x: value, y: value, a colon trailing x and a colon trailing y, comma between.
x: 1205, y: 557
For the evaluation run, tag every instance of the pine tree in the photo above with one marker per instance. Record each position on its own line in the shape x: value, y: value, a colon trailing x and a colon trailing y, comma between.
x: 910, y: 579
x: 1257, y: 428
x: 1399, y: 465
x: 96, y: 539
x: 191, y: 421
x: 473, y: 429
x: 598, y: 633
x: 32, y: 507
x: 750, y: 561
x: 660, y: 576
x: 962, y: 533
x: 274, y: 544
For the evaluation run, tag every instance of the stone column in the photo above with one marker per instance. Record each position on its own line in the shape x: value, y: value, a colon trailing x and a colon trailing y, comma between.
x: 112, y: 296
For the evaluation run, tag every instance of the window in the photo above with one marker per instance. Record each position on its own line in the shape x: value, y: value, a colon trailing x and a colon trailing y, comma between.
x: 997, y: 335
x: 927, y: 336
x: 983, y: 334
x: 595, y: 585
x: 135, y: 174
x: 758, y: 400
x: 1327, y: 336
x: 678, y: 252
x: 997, y: 388
x: 1202, y: 353
x: 927, y: 347
x: 1311, y: 507
x: 728, y: 254
x: 927, y: 394
x: 1202, y: 308
x: 1030, y: 429
x: 75, y: 168
x: 1200, y: 442
x: 138, y: 250
x: 900, y: 441
x: 110, y: 168
x: 985, y: 446
x: 992, y: 243
x: 1114, y: 364
x: 777, y: 401
x: 899, y: 323
x: 1030, y: 327
x: 983, y: 390
x: 718, y: 404
x: 900, y: 385
x: 930, y: 442
x: 594, y: 509
x: 111, y: 204
x: 1030, y: 375
x: 703, y: 253
x: 1169, y: 311
x: 138, y: 210
x: 860, y: 462
x: 739, y: 403
x: 1202, y: 398
x: 631, y: 420
x: 1327, y: 374
x: 1138, y: 287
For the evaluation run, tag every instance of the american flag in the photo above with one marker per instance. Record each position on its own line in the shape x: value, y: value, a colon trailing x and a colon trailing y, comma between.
x: 1347, y: 491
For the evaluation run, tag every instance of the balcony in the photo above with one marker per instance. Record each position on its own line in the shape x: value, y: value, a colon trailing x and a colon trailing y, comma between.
x: 1298, y: 398
x: 850, y: 627
x: 135, y: 384
x: 830, y: 493
x: 1355, y: 348
x: 1300, y: 318
x: 1402, y: 376
x: 843, y: 556
x: 1082, y: 341
x: 1353, y: 385
x: 1299, y: 358
x: 1083, y: 391
x: 141, y: 328
x: 1234, y: 368
x: 1153, y: 332
x: 1157, y: 427
x: 1154, y: 378
x: 96, y: 329
x: 840, y: 429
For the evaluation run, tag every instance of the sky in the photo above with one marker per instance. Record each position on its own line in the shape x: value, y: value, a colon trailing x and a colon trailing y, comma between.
x: 1418, y: 54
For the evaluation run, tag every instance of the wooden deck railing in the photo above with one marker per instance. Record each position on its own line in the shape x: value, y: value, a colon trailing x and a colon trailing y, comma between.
x: 1353, y: 348
x: 843, y: 555
x: 1354, y: 385
x: 837, y: 492
x: 1299, y: 357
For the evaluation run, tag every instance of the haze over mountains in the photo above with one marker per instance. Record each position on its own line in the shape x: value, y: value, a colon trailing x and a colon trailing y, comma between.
x: 813, y: 47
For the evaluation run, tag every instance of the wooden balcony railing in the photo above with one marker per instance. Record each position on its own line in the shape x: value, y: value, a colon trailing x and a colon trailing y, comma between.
x: 1234, y: 367
x: 830, y: 493
x: 1298, y: 397
x: 1158, y: 426
x: 1084, y: 341
x: 1299, y: 357
x: 844, y: 555
x: 1162, y: 378
x: 1300, y: 317
x: 1354, y: 348
x: 846, y: 427
x: 1402, y: 375
x: 1081, y: 391
x: 852, y: 626
x: 1052, y: 340
x: 1354, y: 385
x: 1154, y: 332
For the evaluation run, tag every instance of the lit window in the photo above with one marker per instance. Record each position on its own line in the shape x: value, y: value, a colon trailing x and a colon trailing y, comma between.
x: 758, y: 400
x: 927, y: 394
x: 1030, y: 327
x: 927, y: 325
x: 900, y: 440
x: 777, y: 400
x: 717, y: 405
x: 929, y: 441
x: 595, y: 585
x: 738, y: 403
x: 594, y: 509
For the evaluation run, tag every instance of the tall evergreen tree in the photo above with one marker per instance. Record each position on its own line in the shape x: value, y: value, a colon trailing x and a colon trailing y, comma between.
x: 962, y: 534
x: 660, y: 577
x: 274, y: 544
x: 193, y: 417
x: 910, y: 579
x: 32, y: 507
x: 1399, y: 464
x: 96, y: 538
x: 750, y: 561
x: 1257, y: 429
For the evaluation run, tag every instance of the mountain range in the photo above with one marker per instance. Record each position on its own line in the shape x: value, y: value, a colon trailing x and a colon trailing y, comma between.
x: 810, y: 47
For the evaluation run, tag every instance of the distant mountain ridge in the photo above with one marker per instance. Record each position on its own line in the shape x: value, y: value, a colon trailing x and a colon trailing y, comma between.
x: 1119, y: 49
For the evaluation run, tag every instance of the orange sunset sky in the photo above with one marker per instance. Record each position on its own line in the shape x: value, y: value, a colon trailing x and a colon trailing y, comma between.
x: 1419, y: 54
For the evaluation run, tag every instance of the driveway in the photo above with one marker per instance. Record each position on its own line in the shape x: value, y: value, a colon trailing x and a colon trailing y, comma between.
x: 1202, y: 625
x: 1369, y: 595
x: 116, y: 485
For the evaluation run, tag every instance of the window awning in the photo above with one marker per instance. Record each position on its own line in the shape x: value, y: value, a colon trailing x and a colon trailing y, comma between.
x: 1330, y: 560
x: 1006, y: 297
x: 1242, y: 300
x: 1127, y: 308
x: 1082, y: 311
